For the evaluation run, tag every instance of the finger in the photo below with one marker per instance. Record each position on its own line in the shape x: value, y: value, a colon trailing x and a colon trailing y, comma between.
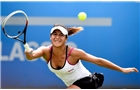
x: 30, y: 51
x: 136, y: 70
x: 133, y: 71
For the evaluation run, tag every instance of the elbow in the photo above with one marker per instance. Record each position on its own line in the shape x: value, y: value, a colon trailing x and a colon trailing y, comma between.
x: 99, y: 62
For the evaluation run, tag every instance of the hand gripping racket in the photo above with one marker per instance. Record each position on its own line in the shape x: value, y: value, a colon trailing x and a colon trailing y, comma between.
x: 15, y: 25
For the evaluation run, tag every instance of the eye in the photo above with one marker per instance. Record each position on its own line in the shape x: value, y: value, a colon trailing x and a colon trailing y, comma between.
x: 54, y: 34
x: 61, y: 34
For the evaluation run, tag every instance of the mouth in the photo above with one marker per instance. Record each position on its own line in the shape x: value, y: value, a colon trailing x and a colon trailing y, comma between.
x: 57, y: 41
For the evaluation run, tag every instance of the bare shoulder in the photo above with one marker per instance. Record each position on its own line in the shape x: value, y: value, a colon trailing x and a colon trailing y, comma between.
x: 77, y: 52
x: 46, y: 48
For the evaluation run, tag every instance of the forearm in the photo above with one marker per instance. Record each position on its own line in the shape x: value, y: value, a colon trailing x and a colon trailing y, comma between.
x: 33, y: 54
x: 110, y: 65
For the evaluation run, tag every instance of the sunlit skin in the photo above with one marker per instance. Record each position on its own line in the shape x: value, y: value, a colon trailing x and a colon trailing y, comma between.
x: 59, y: 46
x: 58, y: 39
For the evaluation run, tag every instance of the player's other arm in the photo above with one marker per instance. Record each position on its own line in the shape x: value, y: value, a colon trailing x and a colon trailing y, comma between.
x: 33, y: 54
x: 103, y: 62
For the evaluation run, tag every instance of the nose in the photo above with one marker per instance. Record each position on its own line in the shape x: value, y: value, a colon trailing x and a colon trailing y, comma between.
x: 57, y: 36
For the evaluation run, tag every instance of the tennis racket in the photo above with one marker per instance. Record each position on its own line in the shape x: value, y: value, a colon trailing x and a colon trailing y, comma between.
x: 15, y: 25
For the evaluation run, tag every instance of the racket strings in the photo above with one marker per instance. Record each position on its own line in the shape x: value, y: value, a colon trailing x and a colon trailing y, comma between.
x: 15, y: 25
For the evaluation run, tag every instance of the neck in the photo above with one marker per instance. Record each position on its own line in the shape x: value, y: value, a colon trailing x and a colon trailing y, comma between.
x: 58, y: 51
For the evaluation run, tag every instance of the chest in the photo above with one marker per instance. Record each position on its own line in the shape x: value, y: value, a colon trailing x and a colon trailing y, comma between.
x: 66, y: 69
x: 58, y: 62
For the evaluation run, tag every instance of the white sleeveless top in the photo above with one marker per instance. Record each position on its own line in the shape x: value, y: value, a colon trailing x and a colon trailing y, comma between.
x: 70, y: 73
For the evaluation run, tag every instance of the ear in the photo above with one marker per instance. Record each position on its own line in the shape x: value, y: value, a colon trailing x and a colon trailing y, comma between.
x: 66, y: 39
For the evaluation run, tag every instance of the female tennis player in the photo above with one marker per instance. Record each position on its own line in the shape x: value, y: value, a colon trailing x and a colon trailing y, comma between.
x: 65, y: 61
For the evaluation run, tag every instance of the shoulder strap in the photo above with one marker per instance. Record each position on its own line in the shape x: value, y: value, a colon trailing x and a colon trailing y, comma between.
x: 50, y: 53
x: 66, y: 52
x: 69, y: 52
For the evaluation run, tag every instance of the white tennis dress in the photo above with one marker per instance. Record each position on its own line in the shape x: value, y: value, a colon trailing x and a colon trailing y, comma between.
x: 70, y: 73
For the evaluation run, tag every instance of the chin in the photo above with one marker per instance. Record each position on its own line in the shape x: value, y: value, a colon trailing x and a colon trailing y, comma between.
x: 58, y: 45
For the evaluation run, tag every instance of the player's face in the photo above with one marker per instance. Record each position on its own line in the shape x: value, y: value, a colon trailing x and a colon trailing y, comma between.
x: 58, y: 38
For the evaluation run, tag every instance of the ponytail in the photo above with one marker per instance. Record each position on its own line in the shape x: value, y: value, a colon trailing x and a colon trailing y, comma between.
x: 74, y: 30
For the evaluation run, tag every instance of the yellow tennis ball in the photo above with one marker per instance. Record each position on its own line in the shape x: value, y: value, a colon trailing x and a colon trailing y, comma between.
x: 82, y: 16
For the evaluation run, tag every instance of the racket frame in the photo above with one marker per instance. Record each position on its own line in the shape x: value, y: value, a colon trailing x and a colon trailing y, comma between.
x: 26, y: 46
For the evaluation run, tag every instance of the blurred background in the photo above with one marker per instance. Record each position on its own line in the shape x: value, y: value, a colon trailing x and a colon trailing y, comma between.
x: 111, y: 31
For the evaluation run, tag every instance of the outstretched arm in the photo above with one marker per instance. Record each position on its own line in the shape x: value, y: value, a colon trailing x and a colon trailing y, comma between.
x: 103, y: 62
x: 33, y: 54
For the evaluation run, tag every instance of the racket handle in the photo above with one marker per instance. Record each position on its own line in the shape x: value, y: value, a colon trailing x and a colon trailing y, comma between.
x: 26, y: 46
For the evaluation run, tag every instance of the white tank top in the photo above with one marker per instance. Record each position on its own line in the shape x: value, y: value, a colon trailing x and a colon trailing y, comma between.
x: 70, y: 73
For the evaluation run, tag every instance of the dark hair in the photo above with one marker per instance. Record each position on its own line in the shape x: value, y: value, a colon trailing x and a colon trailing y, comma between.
x: 71, y: 30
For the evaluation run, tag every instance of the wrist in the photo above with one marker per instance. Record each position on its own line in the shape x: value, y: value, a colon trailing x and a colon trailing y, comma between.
x: 121, y: 69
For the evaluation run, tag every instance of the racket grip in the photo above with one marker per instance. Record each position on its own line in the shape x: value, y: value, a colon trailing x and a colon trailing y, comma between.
x: 26, y: 46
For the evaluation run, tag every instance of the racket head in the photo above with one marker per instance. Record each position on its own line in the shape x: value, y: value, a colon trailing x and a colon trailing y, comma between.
x: 15, y: 24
